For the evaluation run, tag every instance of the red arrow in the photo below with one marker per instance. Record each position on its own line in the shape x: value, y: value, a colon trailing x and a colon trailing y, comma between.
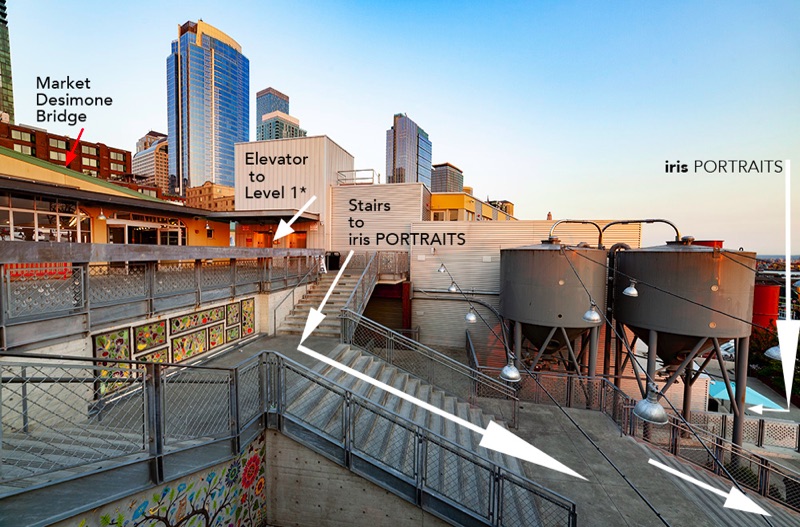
x: 71, y: 154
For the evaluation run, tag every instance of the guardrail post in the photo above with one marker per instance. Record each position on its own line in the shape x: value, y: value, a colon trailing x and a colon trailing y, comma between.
x: 198, y: 269
x: 233, y: 276
x: 150, y: 269
x: 674, y: 437
x: 762, y: 425
x: 494, y: 514
x: 797, y: 446
x: 233, y: 385
x: 718, y: 454
x: 155, y: 420
x: 763, y: 476
x: 568, y: 395
x: 347, y: 425
x: 419, y: 466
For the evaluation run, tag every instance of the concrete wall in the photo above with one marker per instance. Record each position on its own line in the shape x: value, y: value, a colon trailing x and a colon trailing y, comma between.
x: 306, y: 489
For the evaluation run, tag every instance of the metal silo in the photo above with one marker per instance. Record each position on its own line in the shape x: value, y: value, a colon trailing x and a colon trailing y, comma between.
x: 541, y: 291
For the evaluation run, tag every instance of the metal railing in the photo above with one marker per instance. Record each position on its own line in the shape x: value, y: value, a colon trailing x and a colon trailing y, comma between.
x: 50, y: 291
x: 425, y: 363
x: 312, y: 275
x: 357, y: 300
x: 759, y: 474
x: 760, y: 431
x: 169, y: 420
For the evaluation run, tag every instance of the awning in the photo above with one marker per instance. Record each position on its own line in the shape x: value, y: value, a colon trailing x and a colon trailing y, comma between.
x: 717, y: 390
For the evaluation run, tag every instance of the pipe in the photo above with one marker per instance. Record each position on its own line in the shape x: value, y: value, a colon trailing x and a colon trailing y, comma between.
x: 582, y: 222
x: 649, y: 220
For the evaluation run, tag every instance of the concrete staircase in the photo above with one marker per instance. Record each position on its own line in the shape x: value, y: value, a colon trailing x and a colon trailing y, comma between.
x: 394, y: 445
x: 295, y: 322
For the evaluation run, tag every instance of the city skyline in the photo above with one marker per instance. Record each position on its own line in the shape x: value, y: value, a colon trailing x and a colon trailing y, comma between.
x: 587, y: 103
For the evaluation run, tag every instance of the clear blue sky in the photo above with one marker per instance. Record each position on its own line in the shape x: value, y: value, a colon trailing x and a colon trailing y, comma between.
x: 569, y: 107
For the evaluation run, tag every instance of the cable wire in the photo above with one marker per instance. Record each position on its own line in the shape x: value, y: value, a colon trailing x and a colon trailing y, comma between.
x: 650, y: 379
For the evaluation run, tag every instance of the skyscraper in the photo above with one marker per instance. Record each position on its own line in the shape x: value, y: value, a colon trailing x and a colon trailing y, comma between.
x: 208, y: 80
x: 408, y: 152
x: 447, y: 178
x: 272, y: 116
x: 6, y: 86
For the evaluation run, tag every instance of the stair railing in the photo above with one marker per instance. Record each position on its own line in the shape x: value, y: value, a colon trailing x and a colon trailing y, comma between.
x: 448, y: 374
x: 359, y: 297
x: 313, y: 269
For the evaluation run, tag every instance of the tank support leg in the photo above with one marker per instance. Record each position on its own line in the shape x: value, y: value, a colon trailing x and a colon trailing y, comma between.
x: 742, y: 360
x: 517, y: 343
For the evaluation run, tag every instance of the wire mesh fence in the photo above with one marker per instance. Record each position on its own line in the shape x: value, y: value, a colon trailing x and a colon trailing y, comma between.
x: 54, y: 417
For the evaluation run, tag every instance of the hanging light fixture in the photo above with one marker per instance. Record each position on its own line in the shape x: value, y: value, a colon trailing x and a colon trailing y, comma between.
x: 631, y: 290
x: 101, y: 216
x: 442, y: 269
x: 592, y: 316
x: 648, y: 409
x: 510, y: 373
x: 471, y: 317
x: 453, y: 288
x: 208, y: 227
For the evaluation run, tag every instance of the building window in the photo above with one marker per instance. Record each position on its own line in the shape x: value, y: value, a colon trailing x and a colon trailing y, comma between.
x: 22, y: 136
x: 117, y: 156
x: 90, y: 172
x: 92, y: 151
x: 23, y: 149
x: 58, y: 143
x: 45, y: 220
x: 438, y: 215
x: 453, y: 214
x: 88, y: 161
x: 117, y: 167
x: 58, y: 156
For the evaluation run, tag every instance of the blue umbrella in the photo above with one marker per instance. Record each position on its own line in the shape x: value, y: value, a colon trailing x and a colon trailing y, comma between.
x: 717, y: 390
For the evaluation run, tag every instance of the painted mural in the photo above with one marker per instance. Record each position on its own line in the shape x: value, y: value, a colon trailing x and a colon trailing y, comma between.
x: 248, y: 316
x: 150, y: 336
x: 188, y: 322
x: 232, y: 494
x: 176, y: 339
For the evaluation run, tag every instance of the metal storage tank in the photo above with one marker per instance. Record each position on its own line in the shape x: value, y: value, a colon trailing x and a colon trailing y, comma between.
x: 539, y: 289
x: 696, y: 276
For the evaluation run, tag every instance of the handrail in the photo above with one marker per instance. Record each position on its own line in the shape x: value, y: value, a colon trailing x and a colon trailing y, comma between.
x: 371, y: 272
x: 479, y: 383
x: 471, y: 355
x: 314, y: 266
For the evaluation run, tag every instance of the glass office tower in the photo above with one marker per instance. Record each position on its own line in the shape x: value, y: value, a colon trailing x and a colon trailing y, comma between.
x: 208, y: 80
x: 270, y: 100
x: 408, y: 152
x: 6, y: 87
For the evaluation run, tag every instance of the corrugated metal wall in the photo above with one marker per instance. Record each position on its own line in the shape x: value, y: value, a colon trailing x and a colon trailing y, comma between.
x: 406, y: 205
x: 290, y: 186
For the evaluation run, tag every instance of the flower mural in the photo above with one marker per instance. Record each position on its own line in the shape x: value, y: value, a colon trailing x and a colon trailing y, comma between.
x: 188, y: 345
x: 185, y: 323
x: 217, y: 497
x: 232, y: 314
x: 216, y: 336
x: 248, y: 316
x: 150, y: 336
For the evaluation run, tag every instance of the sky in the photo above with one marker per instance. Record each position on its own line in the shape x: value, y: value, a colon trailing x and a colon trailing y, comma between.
x: 566, y: 107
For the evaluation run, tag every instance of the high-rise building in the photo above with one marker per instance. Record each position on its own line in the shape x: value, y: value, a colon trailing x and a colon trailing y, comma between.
x: 272, y: 117
x: 408, y: 152
x: 208, y: 82
x: 447, y: 178
x: 148, y: 140
x: 153, y: 162
x: 6, y: 86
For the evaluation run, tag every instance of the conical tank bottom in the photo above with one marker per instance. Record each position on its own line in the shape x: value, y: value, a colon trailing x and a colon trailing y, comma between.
x: 537, y: 334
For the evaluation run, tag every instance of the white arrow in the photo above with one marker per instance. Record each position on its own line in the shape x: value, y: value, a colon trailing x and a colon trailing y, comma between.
x: 759, y: 409
x: 315, y: 316
x: 285, y: 229
x: 495, y: 437
x: 788, y: 330
x: 734, y: 499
